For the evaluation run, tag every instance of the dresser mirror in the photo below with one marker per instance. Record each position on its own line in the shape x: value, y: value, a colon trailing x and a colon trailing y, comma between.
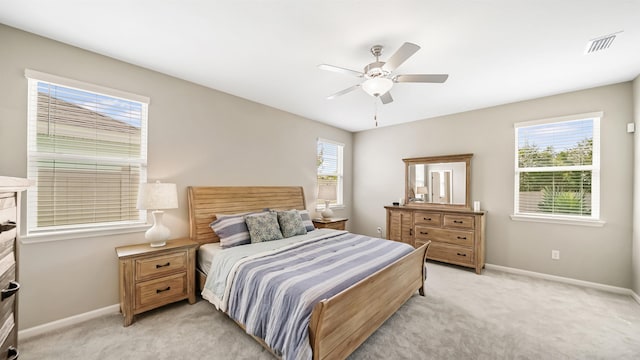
x: 438, y: 181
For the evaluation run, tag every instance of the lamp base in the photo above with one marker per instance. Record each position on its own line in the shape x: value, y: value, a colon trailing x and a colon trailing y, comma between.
x: 158, y: 233
x: 327, y: 213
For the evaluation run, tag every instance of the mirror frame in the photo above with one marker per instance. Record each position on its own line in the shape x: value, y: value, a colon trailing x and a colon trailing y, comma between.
x: 466, y: 158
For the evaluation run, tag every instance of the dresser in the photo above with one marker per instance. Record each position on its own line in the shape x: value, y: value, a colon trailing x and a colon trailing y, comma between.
x: 151, y: 277
x: 457, y: 236
x: 10, y: 192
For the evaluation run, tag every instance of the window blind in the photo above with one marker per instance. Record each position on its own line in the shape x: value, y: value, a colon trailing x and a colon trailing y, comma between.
x: 557, y: 167
x: 87, y: 154
x: 330, y: 168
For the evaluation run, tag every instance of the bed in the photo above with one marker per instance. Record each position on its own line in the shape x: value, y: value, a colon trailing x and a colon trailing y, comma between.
x: 340, y: 323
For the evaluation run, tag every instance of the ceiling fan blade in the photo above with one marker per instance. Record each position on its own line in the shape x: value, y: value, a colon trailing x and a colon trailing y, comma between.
x: 421, y: 78
x: 340, y: 70
x: 386, y: 97
x: 345, y: 91
x: 406, y: 50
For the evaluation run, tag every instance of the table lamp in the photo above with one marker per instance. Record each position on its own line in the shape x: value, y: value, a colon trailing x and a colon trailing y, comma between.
x: 157, y: 197
x: 327, y: 193
x: 422, y: 190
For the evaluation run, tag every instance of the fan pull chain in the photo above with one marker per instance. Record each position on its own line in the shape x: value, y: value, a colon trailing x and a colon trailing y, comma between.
x: 375, y: 112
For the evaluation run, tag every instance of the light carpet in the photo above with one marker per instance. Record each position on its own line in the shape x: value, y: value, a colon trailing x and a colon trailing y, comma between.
x: 464, y: 316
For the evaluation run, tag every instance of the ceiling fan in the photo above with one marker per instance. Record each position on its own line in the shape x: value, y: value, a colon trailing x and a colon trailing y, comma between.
x: 379, y: 75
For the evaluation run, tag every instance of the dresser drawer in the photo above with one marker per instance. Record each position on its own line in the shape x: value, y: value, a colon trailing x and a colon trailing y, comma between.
x: 161, y: 291
x: 8, y: 268
x: 153, y: 267
x: 8, y: 214
x: 459, y: 221
x: 450, y: 254
x: 9, y: 336
x: 7, y: 241
x: 426, y: 218
x: 456, y: 237
x: 7, y: 200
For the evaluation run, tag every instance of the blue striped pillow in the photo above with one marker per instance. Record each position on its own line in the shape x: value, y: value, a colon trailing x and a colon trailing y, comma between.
x: 306, y: 220
x: 231, y: 229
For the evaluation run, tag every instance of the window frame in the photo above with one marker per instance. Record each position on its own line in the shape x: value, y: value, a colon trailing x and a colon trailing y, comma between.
x: 590, y: 220
x: 36, y: 234
x: 340, y: 175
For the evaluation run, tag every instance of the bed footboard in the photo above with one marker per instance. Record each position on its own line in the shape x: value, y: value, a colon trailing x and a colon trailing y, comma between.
x: 342, y: 323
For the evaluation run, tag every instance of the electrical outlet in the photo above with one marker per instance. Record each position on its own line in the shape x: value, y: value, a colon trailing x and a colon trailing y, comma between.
x: 555, y: 254
x: 379, y: 230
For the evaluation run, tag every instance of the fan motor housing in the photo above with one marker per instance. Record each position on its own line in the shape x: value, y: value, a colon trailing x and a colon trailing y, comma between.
x: 375, y: 70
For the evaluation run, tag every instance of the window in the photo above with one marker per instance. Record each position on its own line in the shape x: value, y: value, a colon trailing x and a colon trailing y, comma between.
x: 329, y: 162
x: 558, y: 168
x: 87, y: 152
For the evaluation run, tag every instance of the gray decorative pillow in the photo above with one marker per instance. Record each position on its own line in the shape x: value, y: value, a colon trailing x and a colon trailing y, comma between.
x: 291, y: 223
x: 306, y: 220
x: 263, y: 226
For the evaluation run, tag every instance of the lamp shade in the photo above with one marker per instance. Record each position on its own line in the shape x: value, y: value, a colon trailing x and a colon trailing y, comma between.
x: 422, y: 190
x: 377, y: 86
x: 157, y: 196
x: 327, y: 192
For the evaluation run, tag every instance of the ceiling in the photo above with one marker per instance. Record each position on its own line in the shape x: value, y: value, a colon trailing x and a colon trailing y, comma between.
x: 495, y: 51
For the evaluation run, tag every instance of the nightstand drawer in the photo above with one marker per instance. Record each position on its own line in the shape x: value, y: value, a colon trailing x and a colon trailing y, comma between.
x: 161, y: 291
x: 152, y: 267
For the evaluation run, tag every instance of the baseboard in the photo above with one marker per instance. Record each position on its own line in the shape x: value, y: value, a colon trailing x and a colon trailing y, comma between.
x: 589, y: 284
x: 72, y: 320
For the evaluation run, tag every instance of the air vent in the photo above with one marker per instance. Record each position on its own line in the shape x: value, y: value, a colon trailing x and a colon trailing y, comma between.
x: 600, y: 43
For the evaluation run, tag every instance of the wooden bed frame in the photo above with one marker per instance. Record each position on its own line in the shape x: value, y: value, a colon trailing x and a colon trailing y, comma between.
x: 343, y: 322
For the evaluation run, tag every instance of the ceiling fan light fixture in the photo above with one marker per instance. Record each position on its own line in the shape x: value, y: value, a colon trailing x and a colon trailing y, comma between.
x: 377, y: 86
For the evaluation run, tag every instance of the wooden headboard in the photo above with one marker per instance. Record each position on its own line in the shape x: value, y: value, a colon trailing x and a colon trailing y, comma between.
x: 206, y: 201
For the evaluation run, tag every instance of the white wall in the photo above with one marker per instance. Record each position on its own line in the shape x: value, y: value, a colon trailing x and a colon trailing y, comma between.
x: 636, y: 189
x: 601, y: 255
x: 197, y: 136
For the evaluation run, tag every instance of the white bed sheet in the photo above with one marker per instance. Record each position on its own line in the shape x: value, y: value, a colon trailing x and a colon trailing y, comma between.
x: 206, y: 253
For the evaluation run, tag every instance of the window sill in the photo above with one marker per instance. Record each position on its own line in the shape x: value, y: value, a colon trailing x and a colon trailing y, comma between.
x: 61, y: 235
x: 559, y: 220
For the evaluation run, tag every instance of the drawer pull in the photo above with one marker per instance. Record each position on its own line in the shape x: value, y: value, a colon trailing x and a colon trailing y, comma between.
x: 424, y: 233
x: 462, y: 238
x: 410, y: 232
x: 458, y: 222
x: 9, y: 225
x: 427, y: 219
x: 12, y: 353
x: 461, y: 254
x: 159, y: 266
x: 163, y: 290
x: 10, y: 291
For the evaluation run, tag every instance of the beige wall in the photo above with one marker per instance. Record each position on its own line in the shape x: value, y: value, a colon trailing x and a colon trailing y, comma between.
x: 197, y: 136
x: 601, y: 255
x: 636, y: 189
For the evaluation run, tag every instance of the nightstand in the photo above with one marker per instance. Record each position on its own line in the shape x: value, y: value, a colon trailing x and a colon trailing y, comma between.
x: 151, y: 277
x: 333, y: 223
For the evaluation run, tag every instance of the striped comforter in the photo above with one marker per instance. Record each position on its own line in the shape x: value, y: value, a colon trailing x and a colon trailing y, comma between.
x: 273, y: 293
